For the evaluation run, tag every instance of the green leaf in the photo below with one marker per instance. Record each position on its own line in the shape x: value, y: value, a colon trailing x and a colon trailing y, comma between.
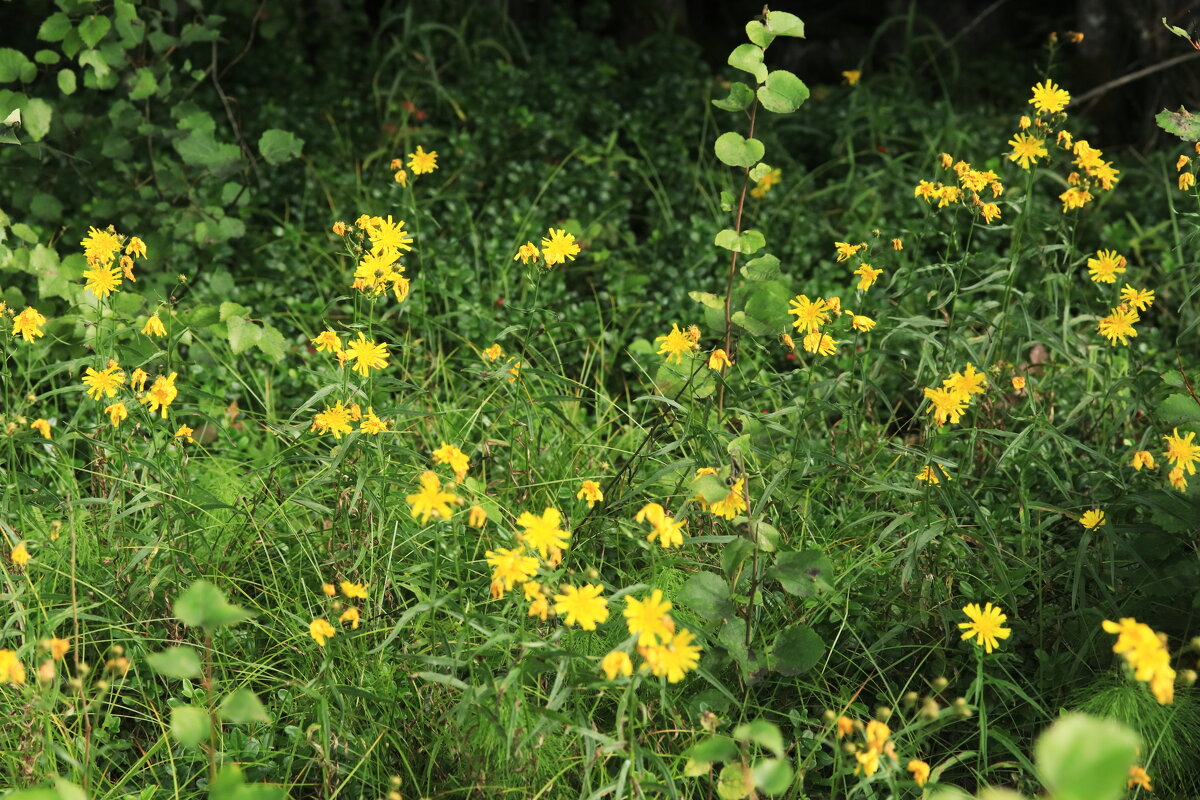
x: 734, y: 556
x: 762, y: 733
x: 713, y: 749
x: 711, y: 488
x: 47, y: 57
x: 758, y: 33
x: 199, y: 148
x: 1179, y: 409
x: 24, y: 232
x: 736, y: 781
x: 744, y: 242
x: 36, y: 118
x: 144, y: 84
x: 763, y: 268
x: 95, y: 60
x: 243, y: 334
x: 231, y: 785
x: 772, y: 775
x: 203, y: 605
x: 707, y: 594
x: 55, y: 27
x: 1086, y: 758
x: 767, y: 305
x: 230, y: 309
x: 10, y: 126
x: 93, y: 29
x: 783, y: 92
x: 802, y: 573
x: 189, y: 725
x: 707, y: 298
x: 176, y: 662
x: 243, y: 706
x: 737, y: 151
x: 732, y: 636
x: 797, y: 649
x: 759, y: 171
x: 66, y: 81
x: 749, y: 58
x: 15, y: 66
x: 781, y: 23
x: 272, y: 343
x: 1175, y: 29
x: 740, y: 96
x: 279, y: 146
x: 1181, y: 123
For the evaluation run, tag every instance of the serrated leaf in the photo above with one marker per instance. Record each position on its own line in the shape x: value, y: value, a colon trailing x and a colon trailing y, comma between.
x: 176, y: 662
x: 1181, y: 123
x: 740, y: 96
x: 1179, y: 409
x: 279, y: 146
x: 736, y: 150
x: 783, y: 92
x: 1086, y: 758
x: 93, y: 29
x: 803, y: 572
x: 243, y: 334
x: 749, y: 58
x: 200, y: 148
x: 781, y: 23
x: 95, y: 60
x: 707, y: 594
x: 54, y: 28
x: 13, y: 65
x: 763, y: 268
x: 231, y: 309
x: 272, y: 343
x: 797, y: 649
x: 144, y: 84
x: 241, y: 707
x: 36, y: 118
x: 189, y: 725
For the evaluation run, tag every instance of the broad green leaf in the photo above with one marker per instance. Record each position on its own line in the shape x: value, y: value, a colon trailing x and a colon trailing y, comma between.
x: 66, y: 81
x: 36, y: 118
x: 24, y: 232
x: 772, y: 775
x: 1181, y: 123
x: 189, y: 725
x: 751, y: 325
x: 47, y: 57
x: 736, y: 150
x: 763, y: 734
x: 243, y: 334
x: 10, y: 126
x: 707, y: 594
x: 175, y: 662
x: 714, y: 748
x: 732, y: 636
x: 55, y: 27
x: 763, y: 268
x: 734, y: 556
x: 711, y: 488
x: 752, y: 241
x: 1086, y: 758
x: 93, y: 29
x: 1179, y: 409
x: 144, y: 84
x: 203, y: 605
x: 95, y: 60
x: 15, y: 66
x: 797, y: 649
x: 736, y: 781
x: 783, y: 92
x: 744, y: 242
x: 242, y: 706
x: 231, y: 785
x: 279, y: 146
x: 199, y: 148
x: 781, y: 23
x: 740, y: 96
x: 749, y: 58
x: 231, y: 309
x: 767, y: 305
x: 802, y: 573
x: 758, y: 33
x: 272, y: 343
x: 708, y: 298
x: 759, y: 171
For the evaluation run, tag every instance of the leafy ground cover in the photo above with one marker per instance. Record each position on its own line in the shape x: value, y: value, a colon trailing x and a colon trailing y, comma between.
x: 604, y: 427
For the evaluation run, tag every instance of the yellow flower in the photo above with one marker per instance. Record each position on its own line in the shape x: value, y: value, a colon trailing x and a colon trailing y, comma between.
x: 845, y: 250
x: 57, y: 648
x: 558, y: 247
x: 719, y: 360
x: 1075, y: 198
x: 329, y: 589
x: 1141, y: 299
x: 897, y: 244
x: 652, y: 512
x: 367, y: 355
x: 668, y: 532
x: 42, y: 426
x: 1186, y: 181
x: 1064, y: 140
x: 127, y: 268
x: 104, y: 382
x: 154, y: 327
x: 675, y: 344
x: 431, y: 501
x: 649, y: 619
x: 27, y: 324
x: 135, y: 247
x: 457, y: 459
x: 389, y: 238
x: 945, y: 405
x: 1138, y: 777
x: 477, y: 517
x: 927, y: 475
x: 845, y: 726
x: 733, y: 503
x: 868, y: 762
x: 764, y: 184
x: 327, y: 341
x: 1024, y: 122
x: 101, y: 247
x: 321, y: 631
x: 946, y: 160
x: 1178, y: 481
x: 401, y: 177
x: 809, y: 315
x: 861, y: 323
x: 526, y: 253
x: 966, y: 383
x: 852, y: 76
x: 1106, y: 266
x: 1146, y: 653
x: 583, y: 605
x: 11, y: 669
x: 1048, y: 97
x: 925, y: 190
x: 1018, y: 382
x: 542, y: 533
x: 352, y: 616
x: 334, y: 419
x: 675, y: 657
x: 421, y: 162
x: 1181, y: 453
x: 493, y: 353
x: 817, y: 342
x: 354, y: 591
x: 1027, y: 149
x: 102, y: 281
x: 1143, y: 458
x: 185, y: 433
x: 20, y: 554
x: 371, y: 424
x: 339, y: 228
x: 919, y: 770
x: 990, y: 212
x: 590, y: 491
x: 137, y: 379
x: 117, y: 412
x: 1118, y: 324
x: 616, y: 663
x: 986, y: 626
x: 867, y: 276
x: 162, y: 393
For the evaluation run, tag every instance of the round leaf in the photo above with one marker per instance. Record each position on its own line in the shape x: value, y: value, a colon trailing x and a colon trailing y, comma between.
x: 749, y: 58
x: 93, y: 29
x: 1086, y: 758
x: 797, y: 650
x: 189, y: 725
x: 278, y: 146
x: 738, y: 151
x: 783, y: 92
x: 13, y: 65
x: 66, y: 81
x: 740, y: 96
x: 781, y: 23
x: 175, y: 662
x: 758, y: 33
x: 707, y: 594
x: 773, y: 775
x: 55, y: 27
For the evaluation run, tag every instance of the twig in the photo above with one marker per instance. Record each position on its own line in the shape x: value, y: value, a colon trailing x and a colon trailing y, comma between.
x: 1131, y: 77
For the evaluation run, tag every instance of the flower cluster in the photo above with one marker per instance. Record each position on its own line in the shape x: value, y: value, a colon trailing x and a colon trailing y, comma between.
x: 968, y: 189
x: 495, y: 353
x: 557, y: 247
x: 419, y: 161
x: 28, y: 324
x: 337, y: 418
x: 1146, y: 654
x: 1118, y: 325
x: 105, y: 271
x: 107, y: 382
x: 378, y: 244
x: 1187, y: 179
x: 665, y: 652
x: 948, y: 402
x: 320, y: 629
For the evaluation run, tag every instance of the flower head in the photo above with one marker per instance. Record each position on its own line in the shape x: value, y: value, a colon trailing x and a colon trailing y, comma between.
x: 649, y: 619
x: 477, y: 517
x: 162, y: 393
x: 543, y: 533
x: 321, y: 631
x: 845, y: 250
x: 719, y: 360
x: 390, y: 238
x: 558, y: 247
x: 154, y: 327
x: 590, y: 491
x: 421, y: 162
x: 616, y: 663
x: 675, y: 657
x: 1026, y: 149
x: 817, y: 342
x: 733, y: 503
x: 946, y: 405
x: 1119, y: 324
x: 1092, y: 519
x: 919, y: 770
x: 867, y: 276
x: 1048, y: 97
x: 809, y: 315
x: 58, y: 648
x: 511, y: 566
x: 327, y: 342
x: 1106, y: 266
x: 985, y: 626
x: 367, y: 354
x: 527, y: 252
x: 583, y: 605
x: 430, y: 501
x: 493, y: 353
x: 334, y: 419
x: 11, y: 669
x: 103, y: 382
x: 20, y: 554
x: 42, y: 426
x: 102, y: 281
x: 352, y: 616
x: 451, y: 455
x: 852, y: 76
x: 1181, y: 453
x: 28, y: 324
x: 117, y: 412
x: 1141, y: 299
x: 676, y: 344
x: 1143, y: 458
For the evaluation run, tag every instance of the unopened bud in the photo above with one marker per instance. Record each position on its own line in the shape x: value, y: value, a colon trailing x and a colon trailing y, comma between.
x: 930, y: 709
x: 940, y: 683
x: 910, y: 699
x: 1187, y: 677
x: 883, y: 713
x: 829, y: 716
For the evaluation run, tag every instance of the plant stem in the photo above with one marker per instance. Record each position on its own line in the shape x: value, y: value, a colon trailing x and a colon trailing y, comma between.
x: 737, y: 227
